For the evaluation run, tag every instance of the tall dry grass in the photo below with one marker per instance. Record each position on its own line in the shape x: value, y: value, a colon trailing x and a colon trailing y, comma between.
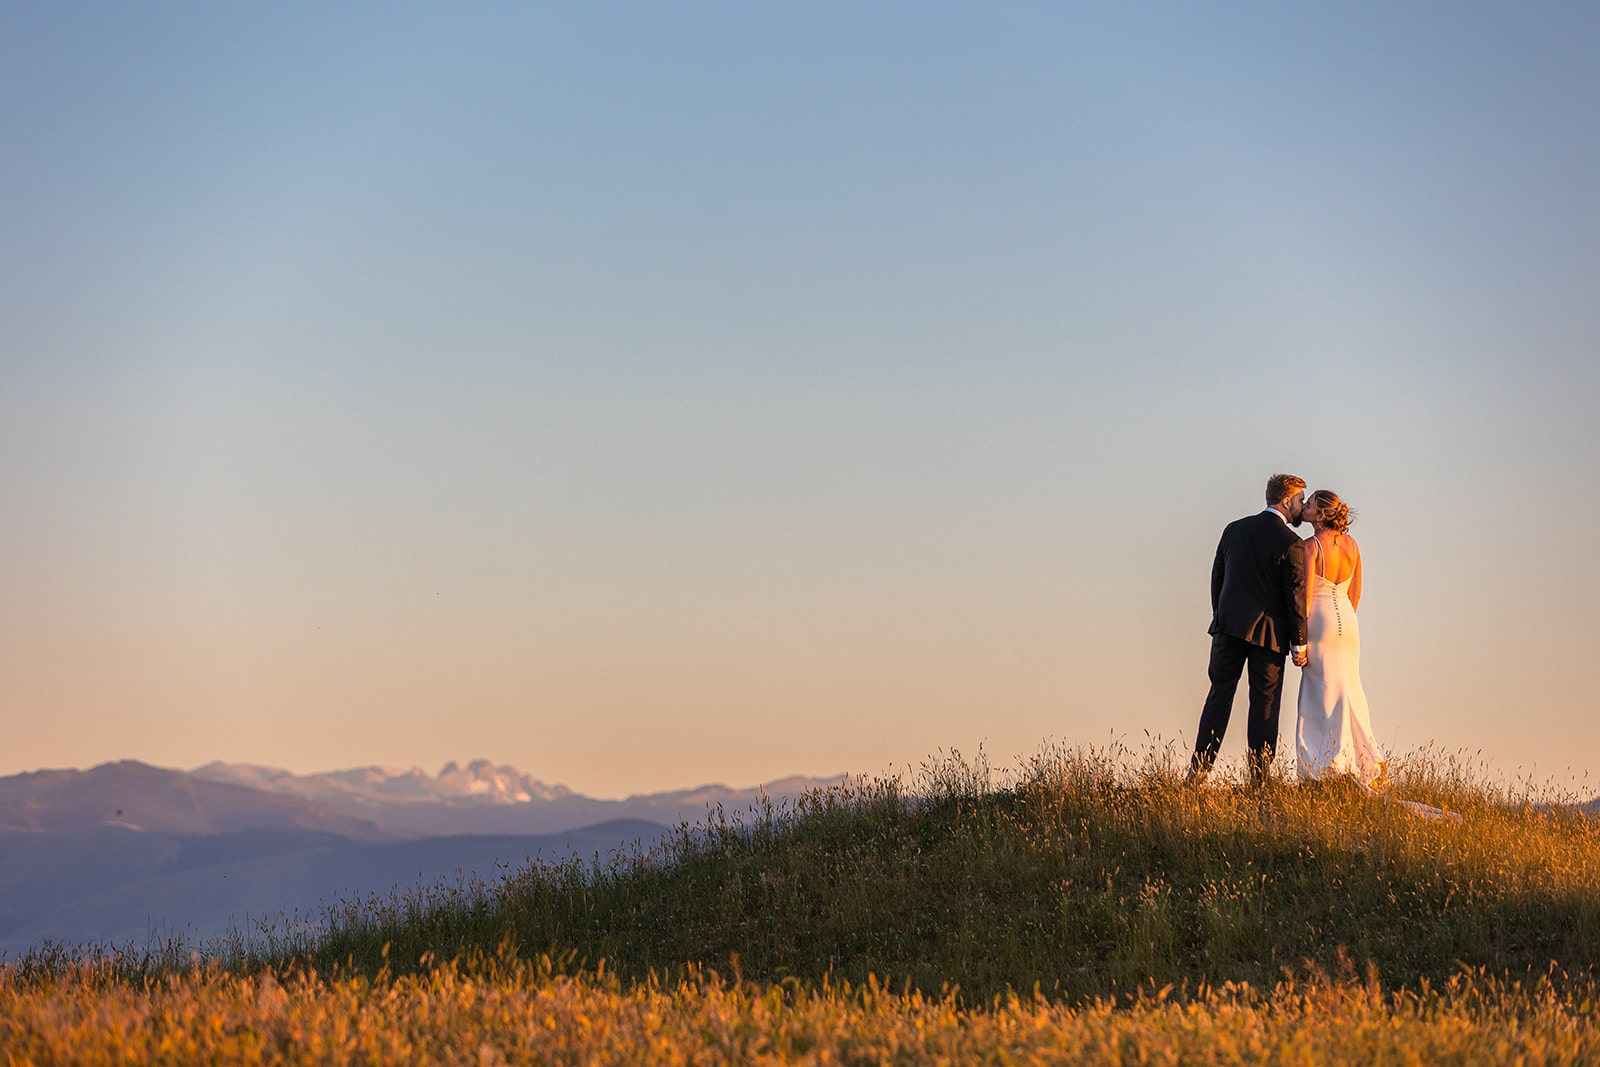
x: 514, y: 1012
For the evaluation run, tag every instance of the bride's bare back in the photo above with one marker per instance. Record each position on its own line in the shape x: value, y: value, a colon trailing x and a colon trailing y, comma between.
x: 1335, y: 556
x: 1330, y: 551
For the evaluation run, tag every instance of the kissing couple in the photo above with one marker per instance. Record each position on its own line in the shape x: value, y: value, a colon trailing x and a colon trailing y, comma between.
x: 1275, y: 596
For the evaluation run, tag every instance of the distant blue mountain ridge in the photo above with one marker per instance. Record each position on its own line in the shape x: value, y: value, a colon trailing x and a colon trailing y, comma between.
x: 126, y: 853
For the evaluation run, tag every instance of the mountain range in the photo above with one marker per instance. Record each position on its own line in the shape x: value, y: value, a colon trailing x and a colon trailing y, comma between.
x: 130, y: 853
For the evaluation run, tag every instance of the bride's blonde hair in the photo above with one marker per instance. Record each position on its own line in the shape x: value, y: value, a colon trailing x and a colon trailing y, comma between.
x: 1330, y: 510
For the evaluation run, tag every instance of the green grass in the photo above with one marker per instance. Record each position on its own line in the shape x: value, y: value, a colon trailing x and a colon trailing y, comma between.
x: 1084, y: 875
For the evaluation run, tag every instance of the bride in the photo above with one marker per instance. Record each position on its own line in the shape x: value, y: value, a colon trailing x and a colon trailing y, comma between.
x: 1334, y: 736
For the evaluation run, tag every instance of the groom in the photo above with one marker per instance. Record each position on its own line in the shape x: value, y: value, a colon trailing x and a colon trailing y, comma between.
x: 1258, y: 609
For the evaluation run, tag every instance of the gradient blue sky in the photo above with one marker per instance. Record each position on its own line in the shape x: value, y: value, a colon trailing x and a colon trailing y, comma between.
x: 650, y: 394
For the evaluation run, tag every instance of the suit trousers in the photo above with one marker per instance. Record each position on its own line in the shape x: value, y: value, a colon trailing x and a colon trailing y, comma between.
x: 1229, y: 658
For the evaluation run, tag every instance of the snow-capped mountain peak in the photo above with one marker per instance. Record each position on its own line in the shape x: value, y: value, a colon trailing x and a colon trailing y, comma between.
x: 479, y: 782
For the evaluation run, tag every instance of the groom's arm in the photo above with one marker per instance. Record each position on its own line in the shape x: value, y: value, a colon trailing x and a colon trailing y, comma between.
x: 1219, y: 570
x: 1294, y: 589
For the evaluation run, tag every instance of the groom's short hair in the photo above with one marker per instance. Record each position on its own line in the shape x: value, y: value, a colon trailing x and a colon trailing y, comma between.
x: 1280, y: 486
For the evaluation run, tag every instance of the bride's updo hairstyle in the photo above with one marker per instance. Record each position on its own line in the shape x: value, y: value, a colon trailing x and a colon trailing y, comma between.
x: 1330, y: 510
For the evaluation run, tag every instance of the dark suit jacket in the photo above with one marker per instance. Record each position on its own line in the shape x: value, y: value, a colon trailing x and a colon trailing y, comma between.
x: 1258, y: 583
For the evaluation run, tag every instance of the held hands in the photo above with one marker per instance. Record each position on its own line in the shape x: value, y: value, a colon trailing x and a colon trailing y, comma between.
x: 1301, y: 656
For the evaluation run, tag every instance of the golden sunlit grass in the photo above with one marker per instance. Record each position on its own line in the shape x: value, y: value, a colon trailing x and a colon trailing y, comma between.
x: 509, y: 1011
x: 520, y: 1013
x: 1090, y: 910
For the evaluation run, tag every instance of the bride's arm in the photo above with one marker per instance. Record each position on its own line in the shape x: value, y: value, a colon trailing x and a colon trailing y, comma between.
x: 1309, y: 546
x: 1355, y: 579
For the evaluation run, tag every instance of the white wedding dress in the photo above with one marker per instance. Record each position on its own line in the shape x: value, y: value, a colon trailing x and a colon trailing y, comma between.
x: 1334, y: 735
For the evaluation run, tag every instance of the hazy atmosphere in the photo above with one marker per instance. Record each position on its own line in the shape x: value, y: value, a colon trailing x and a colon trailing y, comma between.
x: 646, y: 395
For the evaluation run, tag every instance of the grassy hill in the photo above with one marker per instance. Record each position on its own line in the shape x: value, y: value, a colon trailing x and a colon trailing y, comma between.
x: 1088, y: 911
x: 1086, y: 875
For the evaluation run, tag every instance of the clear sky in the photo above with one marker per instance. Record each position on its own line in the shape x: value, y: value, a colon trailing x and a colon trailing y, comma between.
x: 651, y: 394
